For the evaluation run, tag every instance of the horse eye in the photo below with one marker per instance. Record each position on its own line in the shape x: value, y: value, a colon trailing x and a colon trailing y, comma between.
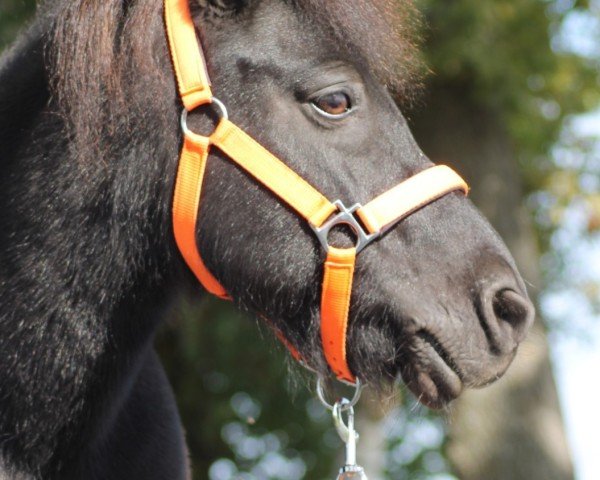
x: 334, y: 104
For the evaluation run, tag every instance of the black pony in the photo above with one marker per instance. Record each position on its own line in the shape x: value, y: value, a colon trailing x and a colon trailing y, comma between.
x: 89, y: 143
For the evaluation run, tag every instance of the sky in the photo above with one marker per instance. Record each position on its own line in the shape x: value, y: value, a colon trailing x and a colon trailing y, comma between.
x: 576, y: 368
x: 576, y: 347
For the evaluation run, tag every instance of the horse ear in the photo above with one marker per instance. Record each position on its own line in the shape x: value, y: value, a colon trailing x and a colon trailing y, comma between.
x: 223, y: 7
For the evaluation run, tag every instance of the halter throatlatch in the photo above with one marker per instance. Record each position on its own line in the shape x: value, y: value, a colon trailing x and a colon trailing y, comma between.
x: 368, y: 222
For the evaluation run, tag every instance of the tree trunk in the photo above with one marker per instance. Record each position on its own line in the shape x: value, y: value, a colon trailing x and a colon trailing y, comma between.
x: 513, y: 429
x: 372, y: 444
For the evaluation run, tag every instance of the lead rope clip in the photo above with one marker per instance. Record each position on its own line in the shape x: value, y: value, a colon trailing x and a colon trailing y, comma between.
x: 350, y: 470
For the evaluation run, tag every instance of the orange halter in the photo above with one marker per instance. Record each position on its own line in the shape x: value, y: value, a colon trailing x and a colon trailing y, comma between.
x: 377, y: 216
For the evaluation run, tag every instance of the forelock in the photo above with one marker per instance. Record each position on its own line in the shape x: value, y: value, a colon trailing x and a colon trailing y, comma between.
x: 382, y: 32
x: 95, y: 44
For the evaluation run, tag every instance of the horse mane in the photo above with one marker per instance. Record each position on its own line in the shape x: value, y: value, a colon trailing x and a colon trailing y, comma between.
x: 98, y: 56
x: 101, y: 51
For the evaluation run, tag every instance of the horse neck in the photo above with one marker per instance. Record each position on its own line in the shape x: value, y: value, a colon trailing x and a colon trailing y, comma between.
x: 83, y: 255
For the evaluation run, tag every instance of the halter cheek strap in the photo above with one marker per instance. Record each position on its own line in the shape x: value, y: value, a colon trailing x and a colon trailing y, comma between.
x: 368, y: 222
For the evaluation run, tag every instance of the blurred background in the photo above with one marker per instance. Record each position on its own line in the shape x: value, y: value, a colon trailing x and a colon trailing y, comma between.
x: 513, y: 102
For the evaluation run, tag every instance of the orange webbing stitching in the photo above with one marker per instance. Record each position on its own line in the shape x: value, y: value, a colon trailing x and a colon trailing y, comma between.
x: 272, y: 173
x: 335, y: 306
x: 188, y: 186
x: 187, y: 56
x: 410, y: 195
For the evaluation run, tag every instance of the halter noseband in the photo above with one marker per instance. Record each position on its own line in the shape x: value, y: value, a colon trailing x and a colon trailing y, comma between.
x: 377, y: 216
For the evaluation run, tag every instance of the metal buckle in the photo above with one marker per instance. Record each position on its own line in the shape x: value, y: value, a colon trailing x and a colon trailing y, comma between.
x: 346, y: 217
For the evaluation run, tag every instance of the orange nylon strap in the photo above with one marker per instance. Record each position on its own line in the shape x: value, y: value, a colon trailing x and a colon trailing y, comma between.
x: 335, y: 306
x: 410, y: 195
x: 186, y: 200
x: 286, y: 343
x: 188, y: 60
x: 272, y: 173
x: 387, y: 209
x: 194, y: 90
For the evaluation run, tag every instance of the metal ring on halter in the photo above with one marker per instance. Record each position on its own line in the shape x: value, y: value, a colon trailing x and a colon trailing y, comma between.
x: 358, y: 387
x: 221, y: 111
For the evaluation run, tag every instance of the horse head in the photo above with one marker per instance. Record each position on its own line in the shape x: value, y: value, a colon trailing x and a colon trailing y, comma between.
x: 89, y: 262
x: 437, y: 299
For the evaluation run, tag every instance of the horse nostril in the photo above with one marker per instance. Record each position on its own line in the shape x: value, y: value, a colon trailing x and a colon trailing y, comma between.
x: 507, y: 316
x: 512, y: 308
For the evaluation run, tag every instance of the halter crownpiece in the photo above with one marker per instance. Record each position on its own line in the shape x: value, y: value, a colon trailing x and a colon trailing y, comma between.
x: 368, y: 222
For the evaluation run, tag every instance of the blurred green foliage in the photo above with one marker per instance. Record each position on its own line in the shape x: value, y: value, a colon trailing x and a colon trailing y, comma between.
x: 236, y: 400
x: 246, y: 419
x: 13, y: 13
x: 243, y: 417
x: 511, y: 55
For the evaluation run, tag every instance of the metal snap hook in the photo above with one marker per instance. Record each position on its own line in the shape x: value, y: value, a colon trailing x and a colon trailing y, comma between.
x: 344, y: 430
x: 348, y: 434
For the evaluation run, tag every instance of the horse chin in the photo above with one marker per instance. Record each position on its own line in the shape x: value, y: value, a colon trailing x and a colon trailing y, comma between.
x: 421, y: 361
x: 430, y: 373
